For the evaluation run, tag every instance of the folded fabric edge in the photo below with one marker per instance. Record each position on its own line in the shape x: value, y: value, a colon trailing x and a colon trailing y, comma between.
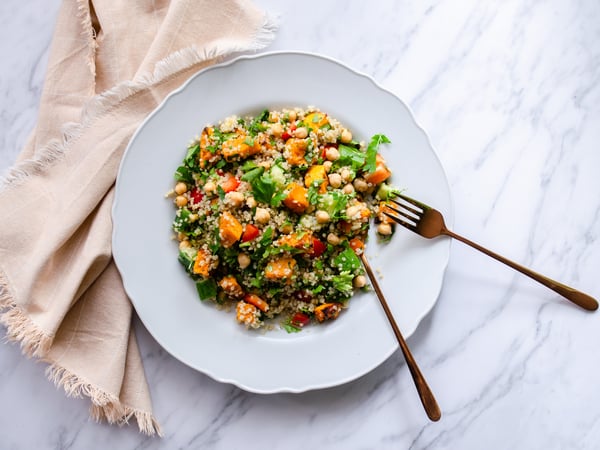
x: 105, y: 407
x: 164, y: 70
x: 19, y: 327
x: 120, y: 415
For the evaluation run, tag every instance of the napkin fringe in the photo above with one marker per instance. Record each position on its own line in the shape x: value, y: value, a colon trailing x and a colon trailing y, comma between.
x: 120, y: 415
x: 105, y: 407
x: 19, y: 327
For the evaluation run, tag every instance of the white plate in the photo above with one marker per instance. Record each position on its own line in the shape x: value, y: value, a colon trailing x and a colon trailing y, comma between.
x: 211, y: 341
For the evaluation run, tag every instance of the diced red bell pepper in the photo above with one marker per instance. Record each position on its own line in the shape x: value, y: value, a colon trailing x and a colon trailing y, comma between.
x: 196, y: 195
x: 229, y: 183
x: 250, y: 232
x: 300, y: 320
x: 318, y: 248
x: 285, y: 135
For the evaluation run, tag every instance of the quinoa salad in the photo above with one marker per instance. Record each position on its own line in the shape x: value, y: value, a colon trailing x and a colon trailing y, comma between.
x: 272, y: 213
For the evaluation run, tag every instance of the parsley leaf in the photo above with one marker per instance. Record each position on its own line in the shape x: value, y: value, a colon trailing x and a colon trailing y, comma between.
x: 343, y: 283
x: 264, y: 188
x: 351, y: 157
x: 371, y: 158
x: 287, y: 326
x: 184, y: 174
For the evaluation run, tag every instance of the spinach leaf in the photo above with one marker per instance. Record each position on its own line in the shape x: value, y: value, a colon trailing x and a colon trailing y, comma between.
x: 207, y: 289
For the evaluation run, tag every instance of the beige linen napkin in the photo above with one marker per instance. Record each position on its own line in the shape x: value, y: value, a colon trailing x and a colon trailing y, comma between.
x: 111, y: 63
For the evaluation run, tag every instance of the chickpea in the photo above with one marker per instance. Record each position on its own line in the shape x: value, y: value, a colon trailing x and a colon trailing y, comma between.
x: 184, y: 244
x: 276, y: 129
x: 251, y: 202
x: 181, y: 201
x: 273, y: 117
x: 243, y: 260
x: 292, y: 116
x: 300, y: 133
x: 348, y: 189
x: 210, y: 187
x: 352, y: 212
x: 262, y: 215
x: 234, y: 198
x: 347, y: 174
x: 346, y: 136
x: 385, y: 229
x: 181, y: 236
x: 359, y: 282
x: 322, y: 216
x: 181, y: 188
x: 360, y: 185
x: 333, y: 239
x: 327, y: 165
x: 332, y: 154
x: 335, y: 180
x: 193, y: 217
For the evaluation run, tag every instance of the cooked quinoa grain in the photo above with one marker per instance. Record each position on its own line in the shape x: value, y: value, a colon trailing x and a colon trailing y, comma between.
x: 268, y: 218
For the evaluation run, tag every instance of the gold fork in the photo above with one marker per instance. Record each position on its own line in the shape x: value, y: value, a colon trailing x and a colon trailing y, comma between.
x: 427, y: 399
x: 429, y: 223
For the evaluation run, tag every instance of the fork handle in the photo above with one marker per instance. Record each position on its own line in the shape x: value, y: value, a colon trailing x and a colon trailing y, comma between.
x: 573, y: 295
x: 428, y: 400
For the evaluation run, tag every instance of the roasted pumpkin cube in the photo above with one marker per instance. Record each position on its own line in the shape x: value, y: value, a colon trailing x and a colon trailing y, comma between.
x: 231, y: 287
x: 240, y: 147
x: 300, y: 241
x: 297, y: 198
x: 230, y: 229
x: 247, y: 314
x: 203, y: 262
x: 314, y: 174
x: 315, y: 120
x: 280, y: 269
x: 294, y: 152
x: 381, y: 172
x: 327, y: 311
x: 206, y: 155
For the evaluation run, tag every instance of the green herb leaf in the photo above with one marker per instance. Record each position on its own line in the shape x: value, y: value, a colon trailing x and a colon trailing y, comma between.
x: 249, y: 165
x: 207, y: 289
x: 372, y: 149
x: 263, y: 188
x: 347, y: 260
x: 343, y: 283
x: 287, y: 326
x: 184, y: 174
x: 251, y: 174
x: 351, y: 157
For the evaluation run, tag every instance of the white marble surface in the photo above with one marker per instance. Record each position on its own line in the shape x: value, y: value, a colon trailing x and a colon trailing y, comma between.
x: 510, y: 95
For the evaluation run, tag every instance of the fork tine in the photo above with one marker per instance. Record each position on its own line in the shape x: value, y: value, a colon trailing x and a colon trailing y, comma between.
x: 400, y: 221
x: 414, y: 202
x: 408, y: 206
x: 402, y: 217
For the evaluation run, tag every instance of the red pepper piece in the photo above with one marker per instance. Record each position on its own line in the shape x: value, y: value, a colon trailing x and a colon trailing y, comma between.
x: 250, y: 232
x: 300, y: 320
